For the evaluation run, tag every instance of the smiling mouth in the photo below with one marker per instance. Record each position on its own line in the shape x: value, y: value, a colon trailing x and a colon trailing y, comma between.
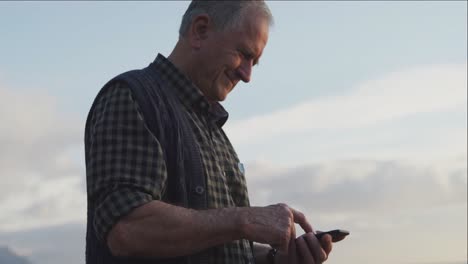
x: 232, y: 82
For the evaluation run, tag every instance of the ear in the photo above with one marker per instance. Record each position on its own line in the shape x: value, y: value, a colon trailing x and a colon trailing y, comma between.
x: 199, y: 30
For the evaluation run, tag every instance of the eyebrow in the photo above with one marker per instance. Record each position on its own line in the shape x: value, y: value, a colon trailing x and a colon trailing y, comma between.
x: 256, y: 62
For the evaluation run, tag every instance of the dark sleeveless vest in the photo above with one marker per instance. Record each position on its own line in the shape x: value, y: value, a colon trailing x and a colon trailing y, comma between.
x: 165, y: 117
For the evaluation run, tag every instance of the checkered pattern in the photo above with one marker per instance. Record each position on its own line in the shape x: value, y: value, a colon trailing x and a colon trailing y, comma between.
x: 126, y: 167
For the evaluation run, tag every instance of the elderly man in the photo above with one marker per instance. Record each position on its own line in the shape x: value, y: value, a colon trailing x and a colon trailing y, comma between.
x: 164, y: 183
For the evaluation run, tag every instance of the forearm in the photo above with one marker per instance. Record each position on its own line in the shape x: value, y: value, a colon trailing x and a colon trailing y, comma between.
x: 158, y: 229
x: 260, y: 253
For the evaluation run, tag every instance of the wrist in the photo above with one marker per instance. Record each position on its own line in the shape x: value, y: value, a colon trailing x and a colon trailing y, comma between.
x: 234, y: 218
x: 242, y: 222
x: 261, y: 253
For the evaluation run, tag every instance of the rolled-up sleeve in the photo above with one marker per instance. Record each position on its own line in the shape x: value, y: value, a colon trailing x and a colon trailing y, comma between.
x: 125, y: 163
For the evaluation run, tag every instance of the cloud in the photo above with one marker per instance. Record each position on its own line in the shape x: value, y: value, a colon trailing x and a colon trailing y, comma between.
x: 391, y: 204
x: 415, y: 209
x: 417, y: 114
x: 42, y: 178
x: 422, y: 89
x: 360, y: 186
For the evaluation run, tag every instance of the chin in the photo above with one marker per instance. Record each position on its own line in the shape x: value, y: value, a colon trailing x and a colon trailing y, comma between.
x: 222, y: 94
x: 222, y: 97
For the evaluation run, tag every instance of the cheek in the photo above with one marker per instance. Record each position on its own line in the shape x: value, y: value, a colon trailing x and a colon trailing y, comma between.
x: 230, y: 68
x: 222, y: 80
x: 235, y: 61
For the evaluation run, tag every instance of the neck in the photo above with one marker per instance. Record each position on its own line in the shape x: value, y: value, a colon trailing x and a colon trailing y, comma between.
x: 181, y: 59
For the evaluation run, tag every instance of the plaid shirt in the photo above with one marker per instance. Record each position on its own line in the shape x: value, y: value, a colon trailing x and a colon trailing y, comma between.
x: 126, y: 168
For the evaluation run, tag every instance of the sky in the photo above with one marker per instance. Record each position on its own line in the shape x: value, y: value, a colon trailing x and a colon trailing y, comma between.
x: 356, y: 115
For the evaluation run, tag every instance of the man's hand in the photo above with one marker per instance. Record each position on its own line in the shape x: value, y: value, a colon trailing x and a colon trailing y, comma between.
x: 306, y: 249
x: 273, y: 225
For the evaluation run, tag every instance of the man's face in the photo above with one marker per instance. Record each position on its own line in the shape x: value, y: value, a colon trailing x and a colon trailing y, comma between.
x: 225, y: 58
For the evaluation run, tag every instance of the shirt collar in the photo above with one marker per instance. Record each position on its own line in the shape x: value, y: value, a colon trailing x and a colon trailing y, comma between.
x: 188, y: 93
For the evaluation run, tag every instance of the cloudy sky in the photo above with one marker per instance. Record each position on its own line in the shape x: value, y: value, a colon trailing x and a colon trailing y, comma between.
x: 357, y: 115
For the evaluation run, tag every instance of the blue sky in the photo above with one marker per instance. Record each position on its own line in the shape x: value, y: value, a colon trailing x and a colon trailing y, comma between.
x: 356, y: 115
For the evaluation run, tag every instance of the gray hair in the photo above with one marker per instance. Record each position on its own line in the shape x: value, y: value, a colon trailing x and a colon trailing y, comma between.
x: 224, y: 14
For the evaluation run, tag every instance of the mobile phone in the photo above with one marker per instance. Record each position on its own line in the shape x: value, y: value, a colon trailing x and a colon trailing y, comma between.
x: 337, y: 234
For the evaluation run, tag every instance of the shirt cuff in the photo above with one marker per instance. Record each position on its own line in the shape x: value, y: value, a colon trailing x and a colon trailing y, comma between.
x: 114, y: 206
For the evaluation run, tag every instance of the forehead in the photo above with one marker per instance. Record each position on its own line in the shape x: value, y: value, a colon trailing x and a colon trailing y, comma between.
x: 253, y: 33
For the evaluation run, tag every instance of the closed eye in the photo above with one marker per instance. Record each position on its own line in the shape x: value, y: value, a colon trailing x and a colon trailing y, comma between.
x: 249, y: 56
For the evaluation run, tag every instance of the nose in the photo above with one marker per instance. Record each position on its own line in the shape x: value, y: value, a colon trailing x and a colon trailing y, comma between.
x: 245, y: 70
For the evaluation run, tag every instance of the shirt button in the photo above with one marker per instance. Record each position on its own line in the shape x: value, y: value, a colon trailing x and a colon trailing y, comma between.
x: 199, y: 189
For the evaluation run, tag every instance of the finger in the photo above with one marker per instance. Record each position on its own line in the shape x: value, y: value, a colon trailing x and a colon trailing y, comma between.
x: 302, y: 221
x: 303, y: 251
x: 283, y: 247
x: 315, y: 248
x: 293, y: 229
x: 292, y: 237
x: 292, y: 253
x: 326, y: 242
